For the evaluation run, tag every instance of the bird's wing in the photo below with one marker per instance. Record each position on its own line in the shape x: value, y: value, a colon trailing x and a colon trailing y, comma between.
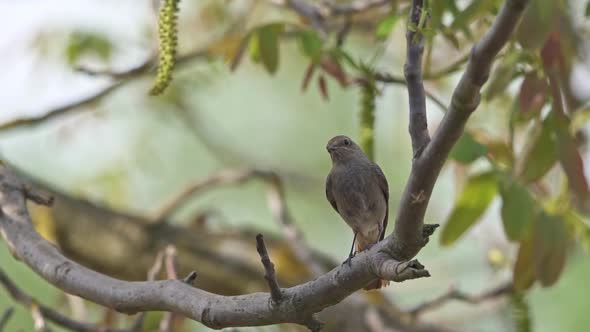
x: 329, y: 194
x: 382, y: 181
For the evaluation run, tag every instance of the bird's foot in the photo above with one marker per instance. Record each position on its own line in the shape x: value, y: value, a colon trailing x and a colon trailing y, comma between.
x: 349, y: 260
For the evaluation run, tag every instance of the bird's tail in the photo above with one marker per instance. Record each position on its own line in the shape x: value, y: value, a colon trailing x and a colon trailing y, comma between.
x: 377, y: 284
x: 361, y: 245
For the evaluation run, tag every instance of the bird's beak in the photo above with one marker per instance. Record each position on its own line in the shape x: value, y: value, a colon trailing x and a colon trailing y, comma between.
x: 330, y: 148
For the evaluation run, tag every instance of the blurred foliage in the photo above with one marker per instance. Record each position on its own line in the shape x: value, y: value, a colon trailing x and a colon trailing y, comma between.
x: 529, y: 158
x: 83, y: 43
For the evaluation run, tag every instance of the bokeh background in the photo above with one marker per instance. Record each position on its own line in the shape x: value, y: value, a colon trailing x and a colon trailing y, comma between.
x: 131, y: 151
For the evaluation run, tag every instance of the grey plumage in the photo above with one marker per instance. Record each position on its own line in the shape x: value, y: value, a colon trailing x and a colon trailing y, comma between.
x: 357, y: 189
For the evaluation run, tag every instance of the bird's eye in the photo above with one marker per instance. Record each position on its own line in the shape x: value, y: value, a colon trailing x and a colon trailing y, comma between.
x: 346, y: 142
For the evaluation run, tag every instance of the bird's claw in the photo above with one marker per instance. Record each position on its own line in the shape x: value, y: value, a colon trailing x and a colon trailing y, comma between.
x: 349, y: 260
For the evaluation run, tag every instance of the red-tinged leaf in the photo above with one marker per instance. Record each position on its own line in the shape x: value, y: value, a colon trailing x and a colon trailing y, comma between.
x: 572, y: 163
x: 539, y: 19
x: 543, y: 153
x: 551, y: 54
x: 518, y: 209
x: 523, y: 275
x: 323, y: 87
x: 550, y: 240
x: 334, y: 69
x: 307, y: 76
x: 478, y: 193
x: 532, y: 95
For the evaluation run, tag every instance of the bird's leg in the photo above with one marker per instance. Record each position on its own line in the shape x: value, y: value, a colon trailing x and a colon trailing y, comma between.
x: 381, y: 231
x: 351, y: 254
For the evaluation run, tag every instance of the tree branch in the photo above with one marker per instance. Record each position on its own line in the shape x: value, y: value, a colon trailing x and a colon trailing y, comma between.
x: 5, y: 317
x: 455, y: 294
x: 215, y: 311
x: 62, y: 320
x: 388, y: 78
x: 119, y: 80
x: 409, y: 220
x: 413, y: 72
x: 276, y: 203
x: 317, y: 13
x: 271, y: 279
x: 43, y: 312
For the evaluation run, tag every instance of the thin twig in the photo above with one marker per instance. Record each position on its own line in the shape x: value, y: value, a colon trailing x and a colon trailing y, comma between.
x: 6, y: 317
x: 172, y: 274
x: 388, y: 78
x: 455, y: 294
x: 276, y: 203
x: 224, y: 177
x: 269, y: 268
x: 452, y: 68
x: 120, y: 79
x: 317, y: 13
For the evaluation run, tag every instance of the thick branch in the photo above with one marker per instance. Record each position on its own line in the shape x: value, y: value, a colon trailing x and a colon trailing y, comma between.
x: 466, y: 97
x: 418, y: 126
x: 215, y: 311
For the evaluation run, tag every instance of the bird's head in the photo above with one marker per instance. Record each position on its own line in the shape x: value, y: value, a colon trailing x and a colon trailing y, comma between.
x: 341, y: 148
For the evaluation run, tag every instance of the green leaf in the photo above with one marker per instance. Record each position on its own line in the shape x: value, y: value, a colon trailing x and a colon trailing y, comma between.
x: 310, y: 44
x: 579, y: 119
x: 517, y: 211
x: 385, y: 26
x: 543, y: 153
x: 521, y: 313
x: 523, y: 275
x: 82, y: 42
x: 268, y: 45
x: 579, y: 226
x: 502, y: 76
x: 478, y: 193
x: 475, y: 10
x: 467, y: 149
x: 550, y: 240
x: 587, y: 12
x: 539, y: 19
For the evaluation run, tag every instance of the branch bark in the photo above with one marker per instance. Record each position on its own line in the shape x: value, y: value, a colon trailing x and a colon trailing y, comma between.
x: 466, y: 97
x: 299, y: 303
x: 418, y: 126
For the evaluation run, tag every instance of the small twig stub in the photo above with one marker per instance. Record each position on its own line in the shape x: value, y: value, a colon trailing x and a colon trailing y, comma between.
x: 269, y: 268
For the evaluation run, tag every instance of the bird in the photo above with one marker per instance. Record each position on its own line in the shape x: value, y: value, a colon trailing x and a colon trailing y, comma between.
x: 357, y: 189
